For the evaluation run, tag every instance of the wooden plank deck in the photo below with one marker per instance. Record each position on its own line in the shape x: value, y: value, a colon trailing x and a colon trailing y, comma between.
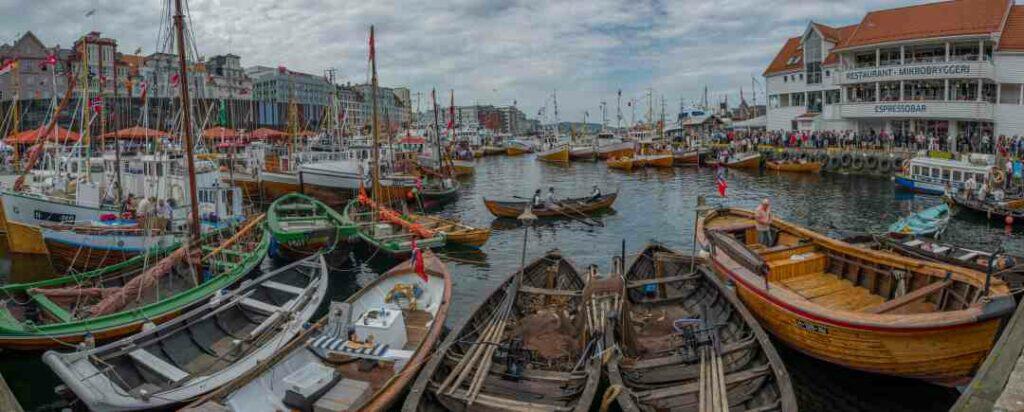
x: 832, y: 292
x: 999, y: 383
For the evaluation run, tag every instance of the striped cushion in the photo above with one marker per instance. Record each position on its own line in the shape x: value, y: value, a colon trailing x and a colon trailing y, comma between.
x: 338, y: 345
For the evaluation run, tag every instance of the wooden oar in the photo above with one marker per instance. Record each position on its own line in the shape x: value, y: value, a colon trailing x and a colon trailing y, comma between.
x: 597, y: 222
x: 583, y: 220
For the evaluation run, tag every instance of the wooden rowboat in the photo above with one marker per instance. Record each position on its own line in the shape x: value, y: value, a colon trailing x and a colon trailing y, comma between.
x: 574, y: 206
x: 1009, y: 268
x: 392, y: 236
x: 526, y: 347
x: 558, y: 154
x: 201, y: 350
x: 744, y: 161
x: 360, y: 357
x: 998, y: 211
x: 301, y: 226
x: 621, y: 163
x: 669, y: 298
x: 116, y: 301
x: 929, y: 222
x: 795, y: 167
x: 863, y: 309
x: 454, y: 231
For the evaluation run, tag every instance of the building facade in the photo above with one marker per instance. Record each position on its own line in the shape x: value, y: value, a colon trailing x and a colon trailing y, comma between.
x: 226, y: 79
x: 34, y: 79
x: 949, y: 69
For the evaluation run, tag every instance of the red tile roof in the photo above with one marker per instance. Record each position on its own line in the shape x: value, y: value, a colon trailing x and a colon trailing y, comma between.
x: 782, y: 60
x: 1013, y: 33
x: 948, y: 18
x: 841, y: 34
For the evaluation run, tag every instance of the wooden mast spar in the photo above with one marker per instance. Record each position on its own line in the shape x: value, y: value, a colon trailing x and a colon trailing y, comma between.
x: 186, y: 117
x: 374, y: 122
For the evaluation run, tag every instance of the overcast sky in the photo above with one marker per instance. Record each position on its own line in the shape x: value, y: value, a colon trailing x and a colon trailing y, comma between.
x: 488, y: 51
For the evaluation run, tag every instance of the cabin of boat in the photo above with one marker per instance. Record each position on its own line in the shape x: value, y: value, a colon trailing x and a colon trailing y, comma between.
x: 931, y: 175
x: 679, y: 321
x: 863, y: 309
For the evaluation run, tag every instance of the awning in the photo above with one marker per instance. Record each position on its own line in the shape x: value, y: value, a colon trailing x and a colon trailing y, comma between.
x: 58, y: 134
x: 136, y: 133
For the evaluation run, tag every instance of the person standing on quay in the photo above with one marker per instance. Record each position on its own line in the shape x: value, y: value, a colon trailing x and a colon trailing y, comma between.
x: 763, y: 222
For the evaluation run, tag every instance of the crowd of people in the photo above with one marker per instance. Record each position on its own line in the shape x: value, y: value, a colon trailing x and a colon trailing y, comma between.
x: 1008, y: 146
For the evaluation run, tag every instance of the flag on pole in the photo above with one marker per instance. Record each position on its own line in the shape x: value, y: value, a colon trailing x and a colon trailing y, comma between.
x: 174, y: 79
x: 7, y: 67
x: 96, y: 103
x: 143, y: 88
x: 417, y: 263
x: 720, y: 181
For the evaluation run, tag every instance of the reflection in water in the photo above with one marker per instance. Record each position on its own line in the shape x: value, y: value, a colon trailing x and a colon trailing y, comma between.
x: 654, y: 205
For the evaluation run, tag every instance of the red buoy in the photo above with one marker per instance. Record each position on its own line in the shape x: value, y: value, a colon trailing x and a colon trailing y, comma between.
x: 1008, y: 220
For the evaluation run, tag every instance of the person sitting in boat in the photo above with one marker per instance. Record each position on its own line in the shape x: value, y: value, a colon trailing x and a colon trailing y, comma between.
x: 537, y: 201
x: 998, y: 195
x: 763, y: 222
x: 969, y: 187
x: 983, y: 192
x: 128, y: 206
x: 551, y: 202
x: 595, y: 193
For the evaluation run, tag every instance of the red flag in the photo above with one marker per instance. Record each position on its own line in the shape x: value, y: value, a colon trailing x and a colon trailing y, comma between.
x: 144, y: 88
x: 720, y: 180
x: 282, y: 69
x: 174, y: 79
x: 96, y: 104
x: 417, y: 263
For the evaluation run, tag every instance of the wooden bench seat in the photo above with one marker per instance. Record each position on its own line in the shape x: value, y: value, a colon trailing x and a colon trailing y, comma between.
x: 910, y: 297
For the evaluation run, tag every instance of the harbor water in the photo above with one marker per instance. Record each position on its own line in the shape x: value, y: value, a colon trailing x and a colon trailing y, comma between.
x: 654, y: 205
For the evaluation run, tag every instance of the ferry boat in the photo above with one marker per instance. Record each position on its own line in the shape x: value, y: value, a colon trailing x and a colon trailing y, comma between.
x: 929, y: 175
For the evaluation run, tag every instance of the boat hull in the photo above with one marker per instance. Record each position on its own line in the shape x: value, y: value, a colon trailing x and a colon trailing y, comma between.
x: 688, y: 158
x: 809, y: 167
x: 82, y: 252
x: 752, y: 162
x: 514, y: 209
x: 662, y: 161
x: 557, y: 155
x: 625, y: 163
x: 908, y: 184
x: 583, y: 153
x: 516, y: 151
x: 615, y: 151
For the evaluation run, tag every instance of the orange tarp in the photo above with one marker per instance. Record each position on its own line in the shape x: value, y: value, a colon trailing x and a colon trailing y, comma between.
x: 264, y: 133
x: 135, y: 133
x: 58, y: 134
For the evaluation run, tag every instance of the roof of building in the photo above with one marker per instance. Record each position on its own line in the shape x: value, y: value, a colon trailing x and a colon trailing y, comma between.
x: 789, y: 58
x: 841, y: 34
x: 1012, y: 38
x: 942, y: 19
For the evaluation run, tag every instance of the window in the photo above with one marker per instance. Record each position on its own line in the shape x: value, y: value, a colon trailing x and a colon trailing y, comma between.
x: 935, y: 172
x: 797, y: 99
x: 917, y: 170
x: 889, y: 57
x: 963, y: 89
x: 859, y: 93
x: 773, y: 101
x: 890, y: 91
x: 1009, y: 93
x: 963, y: 51
x: 988, y: 91
x: 919, y: 90
x: 865, y: 59
x: 832, y: 96
x: 814, y: 102
x: 945, y: 174
x: 958, y: 176
x: 812, y: 57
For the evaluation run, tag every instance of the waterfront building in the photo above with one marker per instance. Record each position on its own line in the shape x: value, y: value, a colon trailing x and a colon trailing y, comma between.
x: 227, y: 79
x: 160, y: 74
x: 946, y: 69
x: 34, y: 80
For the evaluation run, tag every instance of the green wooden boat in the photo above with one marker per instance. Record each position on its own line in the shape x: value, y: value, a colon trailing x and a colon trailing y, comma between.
x: 301, y: 226
x: 116, y: 301
x: 393, y: 236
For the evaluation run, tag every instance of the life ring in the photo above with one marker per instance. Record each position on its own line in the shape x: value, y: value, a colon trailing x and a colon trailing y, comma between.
x: 823, y: 158
x: 870, y: 162
x: 998, y: 176
x: 833, y: 162
x: 846, y: 160
x: 885, y: 165
x: 857, y: 163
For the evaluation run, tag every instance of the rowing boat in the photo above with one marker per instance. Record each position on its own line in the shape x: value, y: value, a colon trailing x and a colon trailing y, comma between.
x: 744, y: 161
x: 863, y: 309
x: 621, y: 163
x: 301, y: 226
x: 439, y: 191
x: 1009, y: 268
x: 455, y: 232
x: 558, y: 154
x: 929, y: 222
x: 386, y: 230
x: 573, y: 206
x: 525, y: 347
x: 361, y: 356
x: 1000, y: 211
x: 795, y: 167
x: 201, y: 350
x: 679, y: 322
x: 115, y: 301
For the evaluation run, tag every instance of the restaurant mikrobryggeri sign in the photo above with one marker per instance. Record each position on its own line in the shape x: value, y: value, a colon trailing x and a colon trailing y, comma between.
x: 925, y: 71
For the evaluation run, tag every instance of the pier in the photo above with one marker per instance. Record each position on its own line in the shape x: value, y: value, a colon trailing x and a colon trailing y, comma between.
x: 999, y: 384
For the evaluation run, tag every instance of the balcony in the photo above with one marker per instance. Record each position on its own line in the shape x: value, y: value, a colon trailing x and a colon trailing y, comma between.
x: 952, y: 110
x: 918, y: 71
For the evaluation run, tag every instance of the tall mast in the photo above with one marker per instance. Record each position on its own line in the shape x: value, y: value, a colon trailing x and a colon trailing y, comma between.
x: 186, y: 117
x: 14, y: 109
x: 437, y: 128
x: 618, y: 110
x: 86, y: 110
x: 373, y: 121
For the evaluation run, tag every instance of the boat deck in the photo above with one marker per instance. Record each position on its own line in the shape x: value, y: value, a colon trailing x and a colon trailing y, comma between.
x: 832, y: 292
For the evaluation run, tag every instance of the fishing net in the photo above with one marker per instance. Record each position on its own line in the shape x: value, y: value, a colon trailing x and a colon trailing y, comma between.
x: 549, y: 333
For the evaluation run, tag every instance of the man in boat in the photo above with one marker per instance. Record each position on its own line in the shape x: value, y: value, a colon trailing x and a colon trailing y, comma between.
x: 969, y: 187
x: 595, y: 194
x: 551, y: 202
x: 537, y: 201
x: 763, y: 222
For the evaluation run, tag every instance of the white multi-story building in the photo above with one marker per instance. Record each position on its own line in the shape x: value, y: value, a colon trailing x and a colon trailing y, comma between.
x: 947, y: 69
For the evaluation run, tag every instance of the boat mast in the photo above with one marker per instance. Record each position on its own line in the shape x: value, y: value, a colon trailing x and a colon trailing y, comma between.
x: 86, y: 123
x: 437, y: 127
x: 186, y: 118
x: 373, y: 121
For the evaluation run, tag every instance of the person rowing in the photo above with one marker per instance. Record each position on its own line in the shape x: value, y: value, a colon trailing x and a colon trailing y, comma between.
x: 595, y: 193
x: 552, y: 202
x: 537, y: 202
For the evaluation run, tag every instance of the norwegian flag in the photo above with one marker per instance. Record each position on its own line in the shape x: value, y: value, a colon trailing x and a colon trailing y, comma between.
x: 174, y: 79
x: 419, y: 183
x: 8, y: 66
x: 417, y: 262
x: 720, y: 181
x: 50, y: 60
x: 96, y: 103
x: 143, y: 87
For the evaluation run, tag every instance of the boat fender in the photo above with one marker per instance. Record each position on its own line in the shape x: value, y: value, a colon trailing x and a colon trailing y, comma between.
x: 823, y: 158
x: 857, y: 163
x: 885, y: 165
x: 870, y: 162
x: 833, y: 162
x: 846, y: 160
x: 998, y: 176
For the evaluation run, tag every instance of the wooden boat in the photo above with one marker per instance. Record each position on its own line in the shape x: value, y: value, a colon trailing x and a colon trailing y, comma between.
x: 461, y: 168
x: 615, y: 150
x: 621, y: 163
x: 679, y: 321
x: 395, y: 322
x: 859, y: 308
x: 525, y: 348
x: 795, y: 167
x: 744, y: 161
x: 86, y: 247
x: 516, y: 148
x: 653, y: 160
x: 386, y: 230
x: 574, y: 206
x: 688, y: 156
x: 116, y: 301
x: 300, y: 226
x: 929, y: 222
x: 494, y: 150
x: 990, y: 209
x: 201, y: 350
x: 1009, y: 268
x: 438, y: 192
x: 583, y: 152
x: 559, y: 154
x: 454, y: 231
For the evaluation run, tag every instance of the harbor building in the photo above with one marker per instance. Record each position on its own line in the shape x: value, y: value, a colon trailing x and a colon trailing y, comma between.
x: 945, y: 69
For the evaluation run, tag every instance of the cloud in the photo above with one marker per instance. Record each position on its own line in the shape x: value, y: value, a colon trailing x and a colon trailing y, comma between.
x: 488, y: 51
